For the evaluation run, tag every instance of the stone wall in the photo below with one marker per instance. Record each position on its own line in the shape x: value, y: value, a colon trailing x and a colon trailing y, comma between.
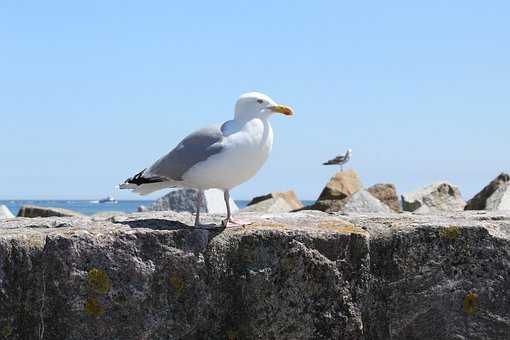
x: 305, y: 275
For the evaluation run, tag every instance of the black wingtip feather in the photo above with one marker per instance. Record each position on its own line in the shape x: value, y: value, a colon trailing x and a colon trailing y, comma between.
x: 138, y: 179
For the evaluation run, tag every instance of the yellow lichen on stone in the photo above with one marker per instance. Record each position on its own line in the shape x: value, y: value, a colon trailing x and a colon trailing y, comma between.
x: 346, y: 229
x: 92, y: 307
x: 178, y: 284
x: 265, y: 225
x: 98, y: 280
x: 451, y: 232
x: 6, y: 330
x: 469, y: 303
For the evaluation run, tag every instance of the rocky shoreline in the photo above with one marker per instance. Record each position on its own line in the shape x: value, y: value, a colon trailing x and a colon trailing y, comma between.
x: 343, y: 193
x: 302, y: 275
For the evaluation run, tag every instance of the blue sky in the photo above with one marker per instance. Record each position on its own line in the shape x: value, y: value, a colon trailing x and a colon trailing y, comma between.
x: 93, y: 91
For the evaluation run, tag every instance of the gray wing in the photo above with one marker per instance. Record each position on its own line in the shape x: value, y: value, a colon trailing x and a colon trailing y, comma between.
x: 336, y: 160
x: 195, y: 148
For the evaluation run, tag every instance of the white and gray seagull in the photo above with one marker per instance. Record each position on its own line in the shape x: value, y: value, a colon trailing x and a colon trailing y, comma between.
x: 340, y: 160
x: 218, y: 156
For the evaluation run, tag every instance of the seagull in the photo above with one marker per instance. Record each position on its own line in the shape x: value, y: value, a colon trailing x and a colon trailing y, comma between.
x: 218, y: 156
x: 340, y: 160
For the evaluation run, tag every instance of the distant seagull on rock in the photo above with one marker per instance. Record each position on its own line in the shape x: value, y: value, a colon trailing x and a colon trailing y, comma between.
x: 340, y: 160
x: 219, y: 156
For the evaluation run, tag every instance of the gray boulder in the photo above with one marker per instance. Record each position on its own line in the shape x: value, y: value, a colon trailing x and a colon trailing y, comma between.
x: 435, y: 198
x: 37, y: 211
x: 363, y: 202
x: 500, y: 199
x: 290, y: 196
x: 5, y: 212
x: 272, y: 205
x: 305, y: 275
x: 495, y: 196
x: 185, y: 200
x: 386, y: 193
x: 274, y: 202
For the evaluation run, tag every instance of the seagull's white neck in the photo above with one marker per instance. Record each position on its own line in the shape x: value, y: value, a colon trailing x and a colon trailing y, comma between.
x: 241, y: 123
x: 245, y: 116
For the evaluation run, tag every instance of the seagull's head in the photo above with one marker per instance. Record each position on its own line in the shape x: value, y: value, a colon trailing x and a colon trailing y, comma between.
x: 257, y: 105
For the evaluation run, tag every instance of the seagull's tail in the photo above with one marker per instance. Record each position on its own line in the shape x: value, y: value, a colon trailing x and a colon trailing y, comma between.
x: 149, y: 188
x: 127, y: 185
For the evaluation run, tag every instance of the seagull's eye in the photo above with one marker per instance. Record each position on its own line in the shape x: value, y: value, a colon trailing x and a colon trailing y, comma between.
x: 260, y: 101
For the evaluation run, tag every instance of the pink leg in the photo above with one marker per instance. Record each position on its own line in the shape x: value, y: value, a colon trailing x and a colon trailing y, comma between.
x: 229, y: 221
x: 235, y: 223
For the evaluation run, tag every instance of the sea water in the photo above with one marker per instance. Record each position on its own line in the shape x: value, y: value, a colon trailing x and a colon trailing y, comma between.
x: 87, y: 207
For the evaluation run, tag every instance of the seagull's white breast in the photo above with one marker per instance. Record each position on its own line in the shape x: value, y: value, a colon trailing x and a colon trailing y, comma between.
x: 246, y: 148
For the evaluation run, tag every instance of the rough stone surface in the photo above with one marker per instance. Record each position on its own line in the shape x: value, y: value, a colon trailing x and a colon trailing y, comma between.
x: 495, y: 196
x: 306, y: 275
x: 36, y: 211
x: 438, y: 277
x: 437, y: 197
x: 386, y: 193
x: 289, y: 196
x: 363, y: 202
x: 107, y: 214
x: 186, y: 200
x: 5, y: 212
x: 337, y: 190
x: 150, y: 276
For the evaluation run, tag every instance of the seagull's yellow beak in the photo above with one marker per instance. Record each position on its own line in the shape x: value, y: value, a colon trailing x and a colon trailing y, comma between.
x: 286, y: 110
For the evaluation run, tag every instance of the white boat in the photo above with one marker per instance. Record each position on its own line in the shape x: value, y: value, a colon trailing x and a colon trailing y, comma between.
x: 108, y: 199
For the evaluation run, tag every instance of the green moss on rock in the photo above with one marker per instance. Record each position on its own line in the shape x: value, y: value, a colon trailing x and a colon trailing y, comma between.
x: 469, y: 303
x: 93, y: 308
x: 98, y: 280
x: 5, y: 330
x: 451, y: 232
x: 178, y: 284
